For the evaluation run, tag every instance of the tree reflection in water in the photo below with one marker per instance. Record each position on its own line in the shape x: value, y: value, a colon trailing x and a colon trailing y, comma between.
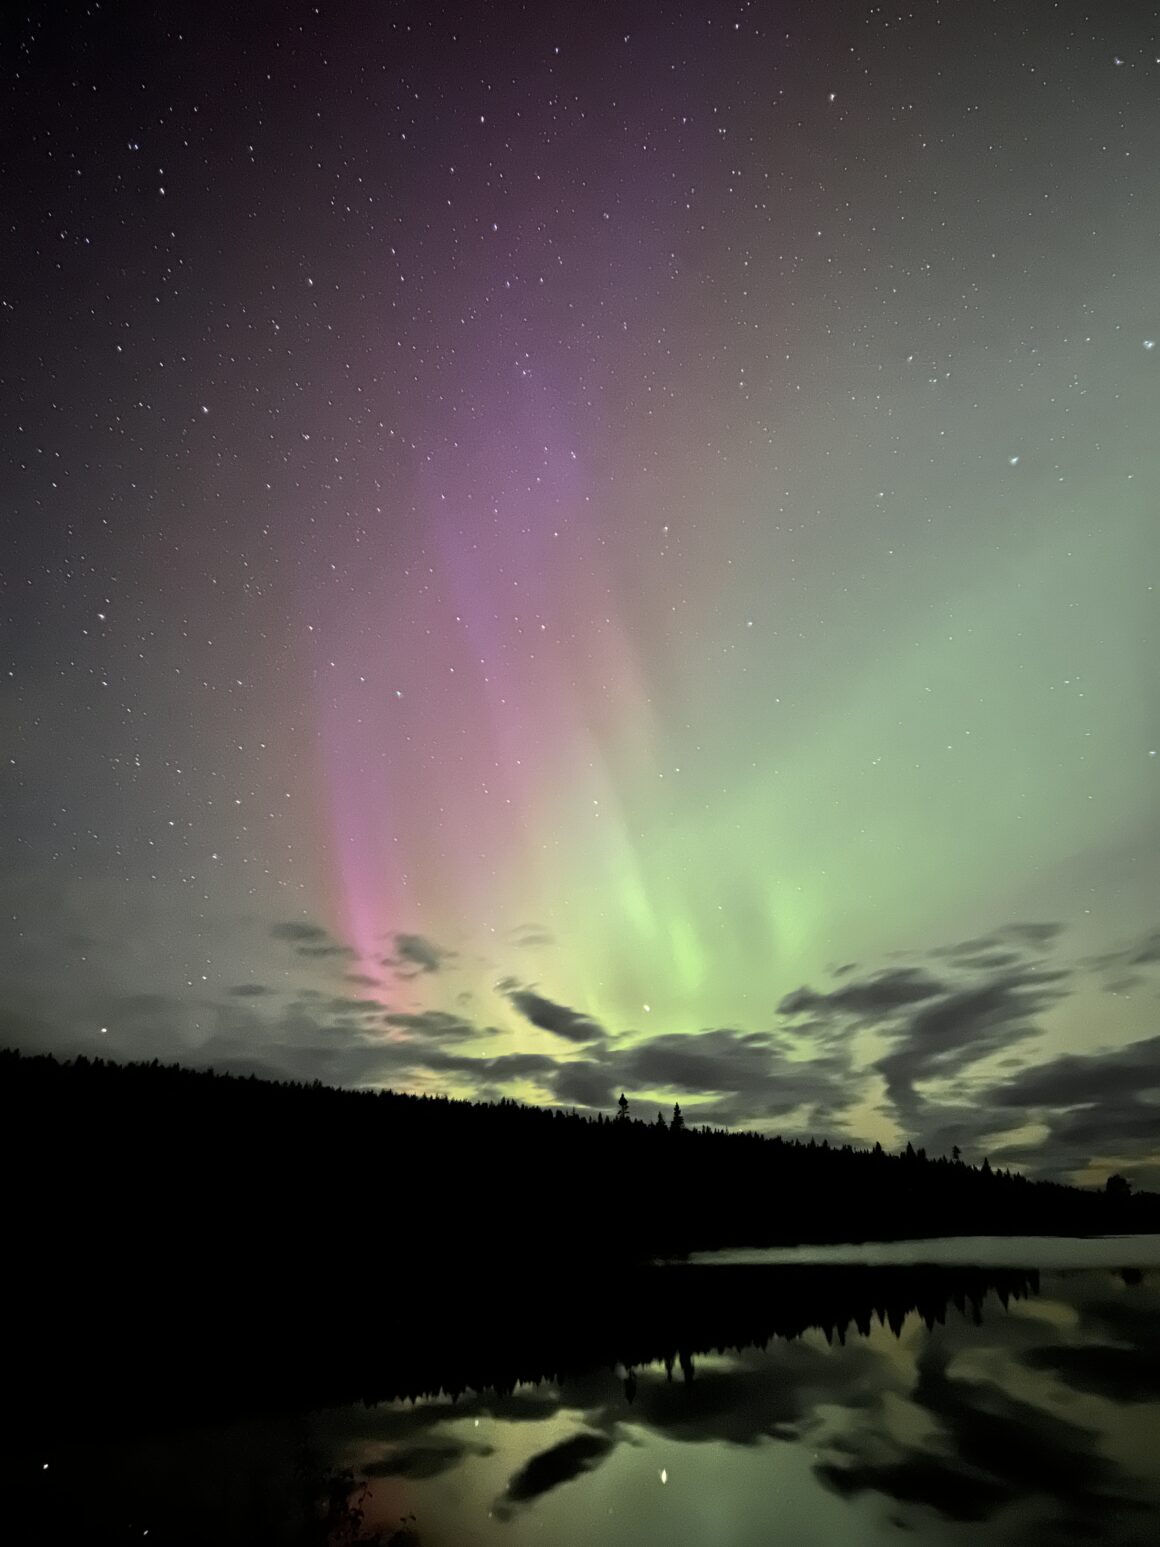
x: 1017, y: 1421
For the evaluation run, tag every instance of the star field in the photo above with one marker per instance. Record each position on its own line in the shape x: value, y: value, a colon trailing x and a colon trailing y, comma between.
x: 543, y: 551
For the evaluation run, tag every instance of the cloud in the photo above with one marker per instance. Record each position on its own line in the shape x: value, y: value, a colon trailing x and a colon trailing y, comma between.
x: 419, y: 953
x: 921, y: 1035
x: 987, y: 961
x: 866, y: 998
x: 1146, y: 952
x: 997, y: 1448
x: 507, y: 1067
x: 572, y: 1025
x: 583, y: 1084
x: 345, y: 1004
x: 756, y: 1073
x: 960, y: 1029
x: 310, y: 940
x: 1104, y: 1370
x: 1085, y: 1079
x: 1037, y: 937
x: 436, y: 1025
x: 985, y: 999
x: 1095, y: 1106
x: 299, y: 933
x: 718, y: 1060
x: 1125, y: 964
x: 563, y: 1462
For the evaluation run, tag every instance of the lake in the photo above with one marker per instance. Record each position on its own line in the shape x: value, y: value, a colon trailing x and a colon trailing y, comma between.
x: 1005, y: 1391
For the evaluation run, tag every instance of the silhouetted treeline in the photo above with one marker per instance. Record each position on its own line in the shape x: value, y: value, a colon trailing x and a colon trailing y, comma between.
x: 123, y: 1151
x: 159, y: 1220
x: 473, y: 1334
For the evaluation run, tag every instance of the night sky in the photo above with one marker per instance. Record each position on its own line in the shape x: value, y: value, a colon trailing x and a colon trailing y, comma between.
x: 548, y: 550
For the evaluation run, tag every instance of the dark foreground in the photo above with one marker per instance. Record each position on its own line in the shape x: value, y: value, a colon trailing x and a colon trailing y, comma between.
x: 681, y: 1406
x: 412, y: 1336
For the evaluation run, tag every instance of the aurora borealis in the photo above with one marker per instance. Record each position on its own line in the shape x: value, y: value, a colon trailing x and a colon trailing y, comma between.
x: 547, y: 553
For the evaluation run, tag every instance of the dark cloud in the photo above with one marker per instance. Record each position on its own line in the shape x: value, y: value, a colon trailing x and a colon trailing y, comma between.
x: 943, y: 1038
x: 984, y: 1002
x: 1094, y: 1105
x: 711, y: 1061
x: 342, y: 1040
x: 998, y: 1449
x: 972, y: 947
x: 987, y: 961
x: 978, y: 1451
x: 1146, y: 952
x: 989, y: 1003
x: 438, y: 1026
x: 583, y: 1084
x: 512, y: 1066
x: 1125, y: 1128
x: 342, y: 1004
x: 1124, y: 1319
x: 299, y: 933
x: 1084, y: 1079
x: 938, y: 1014
x: 570, y: 1458
x: 753, y: 1396
x: 865, y: 998
x: 817, y: 1110
x: 346, y: 1062
x: 310, y: 940
x: 936, y: 1482
x: 1119, y: 1374
x: 416, y: 954
x: 503, y: 1069
x: 572, y: 1025
x: 968, y: 1125
x: 755, y: 1072
x: 1126, y: 966
x: 1037, y: 937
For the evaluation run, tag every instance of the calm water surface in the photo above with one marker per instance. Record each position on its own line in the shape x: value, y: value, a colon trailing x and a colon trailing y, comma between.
x: 994, y: 1251
x: 1019, y: 1417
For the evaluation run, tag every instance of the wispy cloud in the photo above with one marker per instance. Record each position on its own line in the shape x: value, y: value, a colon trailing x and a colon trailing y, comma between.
x: 417, y: 954
x: 560, y: 1019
